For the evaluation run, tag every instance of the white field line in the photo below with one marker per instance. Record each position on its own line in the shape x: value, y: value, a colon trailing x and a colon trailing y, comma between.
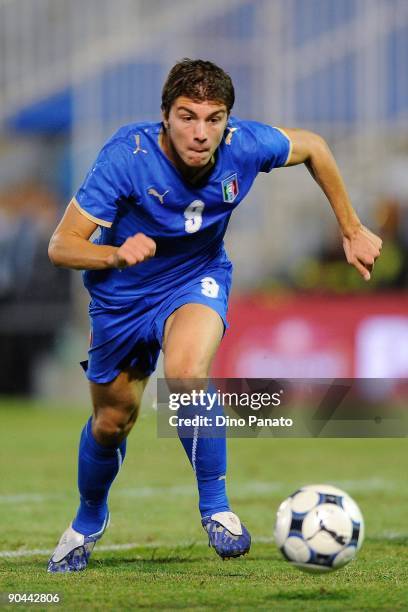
x: 14, y: 554
x: 11, y: 554
x: 236, y: 491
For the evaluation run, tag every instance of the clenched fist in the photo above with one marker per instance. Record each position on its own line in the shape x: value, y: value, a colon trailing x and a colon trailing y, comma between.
x: 362, y: 248
x: 134, y: 250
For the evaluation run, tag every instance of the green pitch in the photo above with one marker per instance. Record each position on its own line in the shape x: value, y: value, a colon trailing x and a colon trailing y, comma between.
x: 154, y: 555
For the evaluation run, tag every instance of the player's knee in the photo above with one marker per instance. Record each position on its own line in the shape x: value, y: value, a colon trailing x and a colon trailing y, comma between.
x: 111, y: 425
x: 182, y: 377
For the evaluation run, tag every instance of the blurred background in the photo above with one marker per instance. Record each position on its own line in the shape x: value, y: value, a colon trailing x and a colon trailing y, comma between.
x: 72, y: 72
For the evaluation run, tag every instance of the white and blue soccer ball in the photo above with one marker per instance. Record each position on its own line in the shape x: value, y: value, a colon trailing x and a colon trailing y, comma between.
x: 319, y: 528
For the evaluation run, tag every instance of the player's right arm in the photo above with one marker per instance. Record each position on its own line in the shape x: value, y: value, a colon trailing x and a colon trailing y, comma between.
x: 70, y: 246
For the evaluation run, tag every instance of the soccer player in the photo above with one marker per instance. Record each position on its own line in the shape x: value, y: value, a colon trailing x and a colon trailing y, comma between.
x: 161, y: 195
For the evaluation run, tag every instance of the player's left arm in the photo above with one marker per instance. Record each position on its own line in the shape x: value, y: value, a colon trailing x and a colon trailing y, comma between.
x: 361, y: 246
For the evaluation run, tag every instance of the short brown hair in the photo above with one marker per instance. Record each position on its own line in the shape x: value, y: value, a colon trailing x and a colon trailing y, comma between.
x: 199, y: 80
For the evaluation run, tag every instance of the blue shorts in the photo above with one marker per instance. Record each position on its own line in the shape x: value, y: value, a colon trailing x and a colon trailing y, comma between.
x: 131, y: 335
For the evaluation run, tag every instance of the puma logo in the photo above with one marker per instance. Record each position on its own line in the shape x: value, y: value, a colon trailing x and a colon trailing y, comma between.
x: 157, y: 195
x: 230, y: 134
x: 138, y: 147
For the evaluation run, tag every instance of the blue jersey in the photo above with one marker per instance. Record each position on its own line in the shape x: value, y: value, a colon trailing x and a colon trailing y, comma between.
x: 133, y: 187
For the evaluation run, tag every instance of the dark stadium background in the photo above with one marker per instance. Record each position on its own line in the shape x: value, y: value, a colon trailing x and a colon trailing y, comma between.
x: 72, y: 72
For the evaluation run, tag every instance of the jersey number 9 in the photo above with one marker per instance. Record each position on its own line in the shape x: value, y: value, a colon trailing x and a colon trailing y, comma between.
x: 193, y: 216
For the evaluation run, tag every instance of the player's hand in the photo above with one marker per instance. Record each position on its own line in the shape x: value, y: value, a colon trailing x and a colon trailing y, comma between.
x: 133, y: 251
x: 362, y: 248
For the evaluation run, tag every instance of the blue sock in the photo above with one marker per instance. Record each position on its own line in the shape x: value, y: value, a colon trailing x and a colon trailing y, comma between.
x: 97, y: 468
x: 208, y: 456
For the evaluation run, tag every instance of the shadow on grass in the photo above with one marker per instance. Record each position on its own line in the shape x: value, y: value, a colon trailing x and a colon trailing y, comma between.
x: 314, y: 594
x: 138, y: 561
x: 182, y: 554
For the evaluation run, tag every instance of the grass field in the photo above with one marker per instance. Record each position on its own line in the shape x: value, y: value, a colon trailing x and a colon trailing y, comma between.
x: 154, y: 556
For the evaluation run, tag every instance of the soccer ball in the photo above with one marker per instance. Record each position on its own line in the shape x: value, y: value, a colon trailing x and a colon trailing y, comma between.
x: 319, y: 528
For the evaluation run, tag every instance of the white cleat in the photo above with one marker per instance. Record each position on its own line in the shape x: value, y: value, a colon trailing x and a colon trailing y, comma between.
x: 74, y: 549
x: 226, y: 534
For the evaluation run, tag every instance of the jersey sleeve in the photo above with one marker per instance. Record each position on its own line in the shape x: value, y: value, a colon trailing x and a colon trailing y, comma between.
x: 273, y: 146
x: 107, y: 182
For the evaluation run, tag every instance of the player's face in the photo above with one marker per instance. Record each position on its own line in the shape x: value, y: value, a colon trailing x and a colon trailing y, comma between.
x: 194, y: 130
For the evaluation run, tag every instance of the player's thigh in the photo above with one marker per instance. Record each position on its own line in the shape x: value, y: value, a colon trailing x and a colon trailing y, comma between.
x: 116, y: 403
x: 192, y: 335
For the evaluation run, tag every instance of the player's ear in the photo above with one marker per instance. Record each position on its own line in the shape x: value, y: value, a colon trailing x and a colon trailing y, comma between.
x: 165, y: 118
